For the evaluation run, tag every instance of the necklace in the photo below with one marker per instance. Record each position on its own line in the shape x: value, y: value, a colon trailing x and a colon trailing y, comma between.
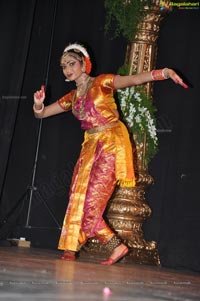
x: 78, y: 104
x: 82, y: 87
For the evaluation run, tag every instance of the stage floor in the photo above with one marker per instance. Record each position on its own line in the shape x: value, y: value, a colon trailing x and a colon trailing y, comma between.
x: 29, y: 274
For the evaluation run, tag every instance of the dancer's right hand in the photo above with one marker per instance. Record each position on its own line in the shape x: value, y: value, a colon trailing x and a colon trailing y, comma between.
x: 39, y: 97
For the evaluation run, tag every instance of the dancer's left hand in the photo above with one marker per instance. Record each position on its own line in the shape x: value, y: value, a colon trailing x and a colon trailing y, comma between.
x: 176, y: 78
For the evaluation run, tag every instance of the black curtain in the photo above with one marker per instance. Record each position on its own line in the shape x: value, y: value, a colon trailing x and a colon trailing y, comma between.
x: 35, y: 34
x: 15, y: 30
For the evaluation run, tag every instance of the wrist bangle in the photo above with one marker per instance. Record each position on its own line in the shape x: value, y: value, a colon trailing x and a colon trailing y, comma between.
x: 36, y: 110
x: 152, y: 76
x: 165, y: 73
x: 159, y: 74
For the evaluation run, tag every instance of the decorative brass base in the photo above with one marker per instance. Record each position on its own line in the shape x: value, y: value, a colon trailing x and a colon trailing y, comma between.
x: 143, y: 256
x: 95, y: 249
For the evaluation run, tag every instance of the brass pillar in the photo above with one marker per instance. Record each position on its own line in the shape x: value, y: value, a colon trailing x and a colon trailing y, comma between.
x: 127, y: 210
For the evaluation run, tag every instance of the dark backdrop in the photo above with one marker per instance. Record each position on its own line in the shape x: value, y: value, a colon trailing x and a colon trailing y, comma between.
x: 34, y: 34
x: 174, y: 197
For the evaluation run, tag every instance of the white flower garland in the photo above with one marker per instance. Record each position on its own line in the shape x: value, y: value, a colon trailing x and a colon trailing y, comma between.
x: 138, y: 114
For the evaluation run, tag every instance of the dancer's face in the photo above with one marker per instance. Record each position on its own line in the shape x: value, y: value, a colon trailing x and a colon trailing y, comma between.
x: 72, y: 68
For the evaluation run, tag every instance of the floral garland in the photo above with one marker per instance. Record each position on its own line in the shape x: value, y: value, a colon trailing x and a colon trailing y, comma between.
x: 138, y: 114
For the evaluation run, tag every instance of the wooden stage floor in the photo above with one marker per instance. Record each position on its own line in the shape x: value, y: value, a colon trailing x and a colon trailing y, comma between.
x: 29, y: 274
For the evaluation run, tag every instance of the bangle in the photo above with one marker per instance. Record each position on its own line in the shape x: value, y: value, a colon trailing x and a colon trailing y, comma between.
x: 165, y: 73
x: 152, y: 75
x: 159, y: 74
x: 36, y: 110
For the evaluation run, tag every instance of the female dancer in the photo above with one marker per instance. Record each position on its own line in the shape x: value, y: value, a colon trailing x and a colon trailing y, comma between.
x: 106, y: 156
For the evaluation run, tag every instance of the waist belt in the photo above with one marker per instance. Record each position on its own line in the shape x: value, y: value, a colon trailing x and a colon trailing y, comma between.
x: 102, y: 127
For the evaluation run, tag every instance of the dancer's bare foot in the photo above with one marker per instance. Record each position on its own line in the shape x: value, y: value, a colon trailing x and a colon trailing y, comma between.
x: 116, y: 255
x: 68, y: 255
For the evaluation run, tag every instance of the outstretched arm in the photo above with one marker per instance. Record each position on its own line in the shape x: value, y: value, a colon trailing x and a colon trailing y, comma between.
x: 142, y: 78
x: 41, y: 111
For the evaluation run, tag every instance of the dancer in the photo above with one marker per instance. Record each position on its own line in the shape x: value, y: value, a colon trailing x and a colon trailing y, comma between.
x: 106, y: 156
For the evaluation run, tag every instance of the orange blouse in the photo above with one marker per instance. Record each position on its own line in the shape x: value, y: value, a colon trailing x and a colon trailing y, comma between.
x: 97, y: 107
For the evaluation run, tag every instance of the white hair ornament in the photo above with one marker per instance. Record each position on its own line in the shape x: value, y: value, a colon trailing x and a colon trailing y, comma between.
x: 78, y: 47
